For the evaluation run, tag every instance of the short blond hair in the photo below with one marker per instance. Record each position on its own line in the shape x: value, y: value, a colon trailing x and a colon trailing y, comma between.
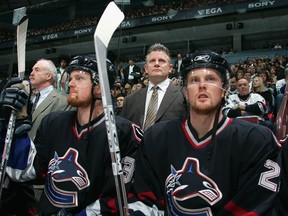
x: 158, y: 47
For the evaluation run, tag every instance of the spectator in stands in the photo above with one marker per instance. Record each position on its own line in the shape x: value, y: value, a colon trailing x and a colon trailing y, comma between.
x: 252, y: 69
x: 117, y: 79
x: 273, y: 77
x: 187, y: 59
x: 264, y: 75
x: 170, y: 101
x: 177, y: 67
x: 247, y: 76
x: 146, y: 82
x: 232, y: 85
x: 247, y: 104
x: 132, y: 73
x: 127, y: 88
x: 240, y: 74
x: 259, y: 87
x: 63, y: 61
x: 140, y: 85
x: 120, y: 100
x: 279, y: 70
x: 144, y: 75
x: 234, y: 69
x: 134, y: 88
x: 115, y: 90
x: 121, y: 74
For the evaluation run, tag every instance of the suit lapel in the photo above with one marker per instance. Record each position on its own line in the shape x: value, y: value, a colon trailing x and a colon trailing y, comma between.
x: 170, y: 95
x: 140, y: 105
x: 45, y: 103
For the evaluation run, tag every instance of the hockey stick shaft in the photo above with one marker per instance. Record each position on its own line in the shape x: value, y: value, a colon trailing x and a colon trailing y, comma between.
x: 107, y: 25
x: 21, y: 45
x: 7, y: 146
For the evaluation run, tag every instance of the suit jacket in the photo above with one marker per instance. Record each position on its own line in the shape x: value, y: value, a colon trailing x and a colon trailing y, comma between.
x: 171, y: 107
x: 55, y: 101
x: 137, y: 69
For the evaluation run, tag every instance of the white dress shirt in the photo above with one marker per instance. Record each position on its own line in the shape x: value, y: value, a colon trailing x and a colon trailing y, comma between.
x: 44, y: 93
x: 161, y: 92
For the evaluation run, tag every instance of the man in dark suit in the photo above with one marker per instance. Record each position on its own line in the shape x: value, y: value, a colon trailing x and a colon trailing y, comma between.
x: 171, y: 102
x: 177, y: 67
x: 132, y: 73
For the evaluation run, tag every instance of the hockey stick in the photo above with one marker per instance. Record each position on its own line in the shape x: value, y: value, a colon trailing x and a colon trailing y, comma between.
x: 21, y: 45
x: 107, y: 25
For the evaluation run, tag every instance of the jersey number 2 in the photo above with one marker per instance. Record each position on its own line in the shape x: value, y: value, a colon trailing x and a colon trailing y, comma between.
x: 273, y: 172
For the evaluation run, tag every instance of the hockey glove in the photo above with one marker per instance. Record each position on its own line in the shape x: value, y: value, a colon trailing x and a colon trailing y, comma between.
x: 15, y: 95
x: 22, y: 127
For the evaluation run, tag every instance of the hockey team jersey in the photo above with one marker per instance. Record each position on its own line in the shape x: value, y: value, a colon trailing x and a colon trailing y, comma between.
x: 255, y: 105
x: 75, y: 164
x: 177, y: 173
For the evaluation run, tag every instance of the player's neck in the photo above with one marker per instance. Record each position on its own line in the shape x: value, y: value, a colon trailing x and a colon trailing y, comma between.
x: 203, y: 123
x: 83, y: 114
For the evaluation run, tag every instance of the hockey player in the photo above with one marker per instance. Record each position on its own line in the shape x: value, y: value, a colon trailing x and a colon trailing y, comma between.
x: 70, y: 151
x: 206, y: 164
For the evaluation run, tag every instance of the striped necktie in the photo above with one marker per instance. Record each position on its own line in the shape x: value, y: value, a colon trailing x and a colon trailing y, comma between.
x: 37, y: 97
x: 152, y: 108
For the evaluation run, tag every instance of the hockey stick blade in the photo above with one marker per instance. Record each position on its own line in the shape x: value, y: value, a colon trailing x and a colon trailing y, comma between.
x: 107, y: 25
x: 21, y: 45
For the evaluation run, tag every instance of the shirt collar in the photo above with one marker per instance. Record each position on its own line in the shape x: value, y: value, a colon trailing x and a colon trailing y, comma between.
x: 46, y: 90
x: 162, y: 85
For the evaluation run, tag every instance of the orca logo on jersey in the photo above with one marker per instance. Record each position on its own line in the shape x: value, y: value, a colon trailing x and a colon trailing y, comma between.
x: 182, y: 186
x: 61, y: 170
